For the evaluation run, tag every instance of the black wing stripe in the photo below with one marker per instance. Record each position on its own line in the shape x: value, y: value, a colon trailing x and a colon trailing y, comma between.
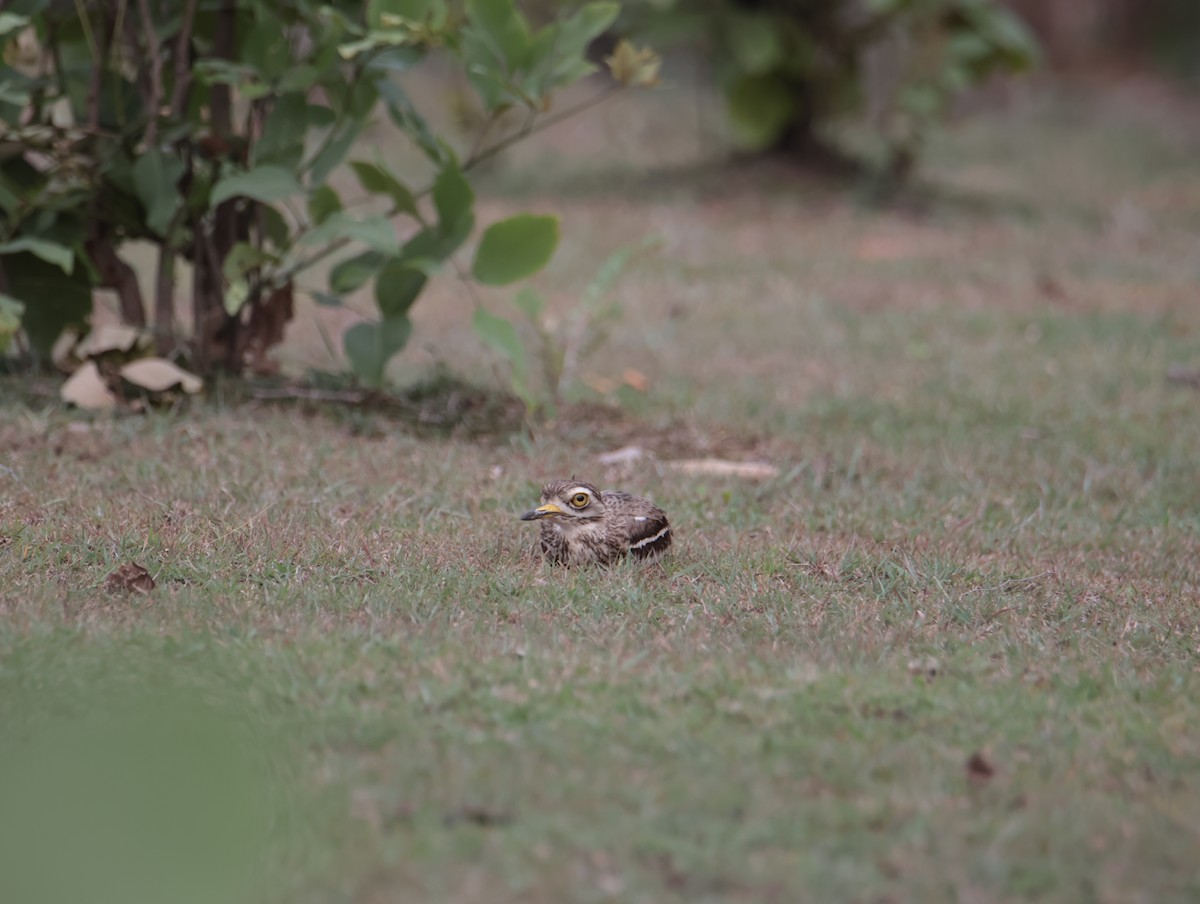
x: 651, y: 538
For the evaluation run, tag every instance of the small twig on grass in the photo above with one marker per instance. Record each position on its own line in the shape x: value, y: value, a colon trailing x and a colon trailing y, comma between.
x: 300, y: 393
x: 248, y: 521
x: 1009, y: 584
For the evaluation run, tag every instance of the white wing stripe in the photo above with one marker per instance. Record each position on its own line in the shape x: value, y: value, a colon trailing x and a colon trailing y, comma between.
x: 648, y: 540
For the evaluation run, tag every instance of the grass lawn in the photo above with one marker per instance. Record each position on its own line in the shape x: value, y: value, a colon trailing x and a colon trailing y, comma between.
x: 948, y: 654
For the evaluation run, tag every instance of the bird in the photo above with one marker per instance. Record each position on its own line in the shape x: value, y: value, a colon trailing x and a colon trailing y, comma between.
x: 582, y: 525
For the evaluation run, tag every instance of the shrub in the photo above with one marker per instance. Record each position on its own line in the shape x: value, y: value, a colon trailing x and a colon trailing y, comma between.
x: 790, y: 68
x: 209, y: 130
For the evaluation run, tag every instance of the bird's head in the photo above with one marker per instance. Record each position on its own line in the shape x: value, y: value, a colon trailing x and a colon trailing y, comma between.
x: 568, y: 502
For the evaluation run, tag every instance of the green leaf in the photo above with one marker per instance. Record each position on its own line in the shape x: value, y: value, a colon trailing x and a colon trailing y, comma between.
x: 361, y: 100
x: 334, y: 152
x: 51, y: 252
x: 501, y: 336
x: 53, y: 300
x: 529, y: 303
x: 10, y: 199
x: 396, y: 59
x: 354, y: 272
x: 515, y: 248
x: 236, y: 295
x: 325, y: 300
x: 374, y: 232
x: 381, y: 12
x: 397, y: 287
x: 453, y: 198
x: 243, y: 258
x: 298, y: 78
x: 432, y: 245
x: 503, y: 31
x: 755, y: 41
x: 369, y: 346
x: 319, y: 116
x: 16, y: 89
x: 10, y: 319
x: 275, y: 227
x: 577, y: 32
x: 282, y: 139
x: 263, y: 183
x: 615, y: 264
x: 378, y: 181
x: 760, y: 107
x: 924, y: 101
x: 156, y: 183
x: 323, y: 202
x: 10, y: 22
x: 265, y: 46
x: 491, y: 84
x: 352, y: 49
x: 402, y: 112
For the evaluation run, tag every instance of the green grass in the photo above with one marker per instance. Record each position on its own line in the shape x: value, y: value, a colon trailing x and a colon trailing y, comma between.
x: 982, y: 541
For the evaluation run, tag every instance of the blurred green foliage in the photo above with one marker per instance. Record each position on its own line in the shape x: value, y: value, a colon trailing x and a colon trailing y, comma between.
x: 790, y: 68
x: 210, y: 131
x: 132, y: 778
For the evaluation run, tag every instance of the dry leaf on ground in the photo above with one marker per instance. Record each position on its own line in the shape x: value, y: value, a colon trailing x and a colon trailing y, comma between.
x: 129, y: 578
x: 979, y: 767
x: 108, y: 338
x: 86, y: 389
x: 485, y: 817
x: 159, y: 375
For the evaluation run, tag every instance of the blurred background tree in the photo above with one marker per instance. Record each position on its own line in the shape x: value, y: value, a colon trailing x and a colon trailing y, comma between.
x: 791, y: 69
x: 1084, y: 34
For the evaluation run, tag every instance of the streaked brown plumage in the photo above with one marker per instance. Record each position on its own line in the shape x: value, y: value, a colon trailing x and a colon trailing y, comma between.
x: 582, y: 525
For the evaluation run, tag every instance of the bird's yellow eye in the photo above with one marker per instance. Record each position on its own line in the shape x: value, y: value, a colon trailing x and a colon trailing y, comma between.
x: 579, y: 500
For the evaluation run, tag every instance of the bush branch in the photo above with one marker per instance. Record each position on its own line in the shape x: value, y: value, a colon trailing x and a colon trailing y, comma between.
x: 531, y: 127
x: 183, y: 68
x: 154, y: 51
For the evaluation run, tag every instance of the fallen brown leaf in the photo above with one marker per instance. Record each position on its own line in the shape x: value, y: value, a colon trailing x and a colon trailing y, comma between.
x: 86, y: 389
x: 159, y: 375
x: 635, y: 379
x: 108, y: 338
x: 979, y: 767
x: 129, y: 578
x: 484, y: 817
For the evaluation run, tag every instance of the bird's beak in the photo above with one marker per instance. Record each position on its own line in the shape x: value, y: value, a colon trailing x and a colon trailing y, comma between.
x: 542, y: 511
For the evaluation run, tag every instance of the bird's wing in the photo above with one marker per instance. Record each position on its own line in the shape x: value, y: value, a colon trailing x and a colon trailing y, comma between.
x: 649, y: 532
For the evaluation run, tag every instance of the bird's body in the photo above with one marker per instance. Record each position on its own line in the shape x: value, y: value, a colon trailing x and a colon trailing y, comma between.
x: 582, y: 525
